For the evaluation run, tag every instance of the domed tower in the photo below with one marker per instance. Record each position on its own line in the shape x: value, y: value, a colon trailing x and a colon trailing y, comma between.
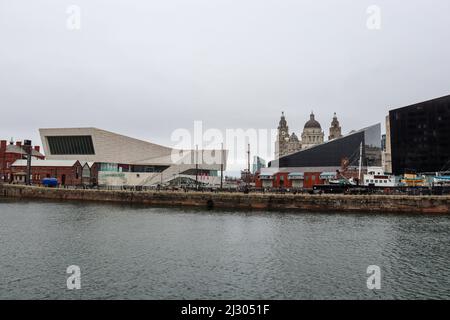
x: 335, y: 129
x: 281, y: 145
x: 312, y: 133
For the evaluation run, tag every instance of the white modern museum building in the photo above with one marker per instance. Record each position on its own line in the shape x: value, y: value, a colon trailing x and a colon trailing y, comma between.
x: 124, y: 161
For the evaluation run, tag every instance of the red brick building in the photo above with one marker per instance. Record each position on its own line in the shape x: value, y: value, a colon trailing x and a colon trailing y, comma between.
x: 272, y: 178
x: 68, y: 172
x: 9, y: 153
x: 311, y: 179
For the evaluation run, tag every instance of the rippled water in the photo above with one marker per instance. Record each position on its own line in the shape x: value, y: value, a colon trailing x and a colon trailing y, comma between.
x: 134, y: 252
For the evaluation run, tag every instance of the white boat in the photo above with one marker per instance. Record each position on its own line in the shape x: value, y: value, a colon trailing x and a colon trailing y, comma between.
x: 442, y: 180
x: 376, y: 177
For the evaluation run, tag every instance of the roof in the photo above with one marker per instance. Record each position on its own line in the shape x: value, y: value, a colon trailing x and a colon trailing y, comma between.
x: 16, y: 149
x: 312, y: 123
x: 88, y: 163
x: 297, y: 174
x: 317, y: 169
x: 293, y: 137
x: 268, y: 171
x: 45, y: 163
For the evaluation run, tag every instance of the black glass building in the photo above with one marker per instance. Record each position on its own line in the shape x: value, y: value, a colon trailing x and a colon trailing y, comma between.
x: 331, y: 154
x: 420, y: 137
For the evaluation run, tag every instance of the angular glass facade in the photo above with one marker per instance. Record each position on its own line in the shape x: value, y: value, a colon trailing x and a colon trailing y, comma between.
x: 67, y: 145
x: 420, y: 137
x: 336, y: 152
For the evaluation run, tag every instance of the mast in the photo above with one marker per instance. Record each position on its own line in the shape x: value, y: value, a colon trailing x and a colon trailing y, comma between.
x: 196, y: 166
x: 221, y: 167
x: 248, y: 166
x: 360, y: 163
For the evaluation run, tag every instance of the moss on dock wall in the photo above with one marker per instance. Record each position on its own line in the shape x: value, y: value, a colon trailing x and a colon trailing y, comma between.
x: 298, y: 202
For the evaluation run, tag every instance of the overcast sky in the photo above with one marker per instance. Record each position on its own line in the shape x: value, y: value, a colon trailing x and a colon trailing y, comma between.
x: 145, y: 68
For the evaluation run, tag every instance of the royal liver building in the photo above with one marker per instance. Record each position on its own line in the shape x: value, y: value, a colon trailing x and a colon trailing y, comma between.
x: 312, y: 135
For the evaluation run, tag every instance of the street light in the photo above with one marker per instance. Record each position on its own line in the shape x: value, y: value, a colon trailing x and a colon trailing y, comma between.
x: 27, y: 147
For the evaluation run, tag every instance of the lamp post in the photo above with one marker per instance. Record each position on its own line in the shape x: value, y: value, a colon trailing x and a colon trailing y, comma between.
x: 27, y: 147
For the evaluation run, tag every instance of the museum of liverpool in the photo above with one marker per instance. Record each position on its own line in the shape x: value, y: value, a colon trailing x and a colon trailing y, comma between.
x: 110, y: 159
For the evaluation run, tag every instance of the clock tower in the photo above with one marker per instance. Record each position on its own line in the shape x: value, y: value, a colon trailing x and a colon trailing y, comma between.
x: 282, y: 137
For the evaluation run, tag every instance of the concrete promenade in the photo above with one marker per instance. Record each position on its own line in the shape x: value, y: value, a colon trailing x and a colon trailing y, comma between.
x: 241, y: 201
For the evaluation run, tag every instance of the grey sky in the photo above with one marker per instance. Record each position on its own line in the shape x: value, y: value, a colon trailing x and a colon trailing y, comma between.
x: 145, y: 68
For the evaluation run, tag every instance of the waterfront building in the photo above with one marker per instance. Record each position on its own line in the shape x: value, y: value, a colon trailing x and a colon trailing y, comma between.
x: 333, y: 153
x: 9, y: 153
x: 67, y: 172
x: 287, y: 179
x: 88, y: 174
x: 119, y: 160
x: 311, y: 135
x: 348, y: 156
x: 418, y: 137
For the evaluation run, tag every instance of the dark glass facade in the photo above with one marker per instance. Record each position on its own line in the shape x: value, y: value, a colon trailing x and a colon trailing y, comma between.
x: 136, y: 168
x: 334, y: 152
x: 67, y: 145
x: 420, y: 137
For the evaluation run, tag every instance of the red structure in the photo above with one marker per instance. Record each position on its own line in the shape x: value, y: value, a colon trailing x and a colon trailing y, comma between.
x: 9, y: 153
x: 68, y: 172
x: 288, y: 180
x: 311, y: 179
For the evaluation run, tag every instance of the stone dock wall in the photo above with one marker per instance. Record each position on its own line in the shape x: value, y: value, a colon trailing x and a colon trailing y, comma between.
x: 256, y: 201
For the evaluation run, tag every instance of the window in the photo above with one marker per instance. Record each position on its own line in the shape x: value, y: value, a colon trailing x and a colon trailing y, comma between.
x: 151, y: 169
x: 112, y: 167
x: 86, y: 172
x: 64, y: 145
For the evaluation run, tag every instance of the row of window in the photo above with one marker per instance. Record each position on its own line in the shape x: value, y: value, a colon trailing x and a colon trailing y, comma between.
x: 377, y: 181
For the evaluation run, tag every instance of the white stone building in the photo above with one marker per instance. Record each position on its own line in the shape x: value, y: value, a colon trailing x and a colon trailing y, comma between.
x: 126, y: 161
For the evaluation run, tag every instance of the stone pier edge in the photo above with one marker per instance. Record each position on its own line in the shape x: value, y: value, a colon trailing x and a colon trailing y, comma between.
x: 252, y: 201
